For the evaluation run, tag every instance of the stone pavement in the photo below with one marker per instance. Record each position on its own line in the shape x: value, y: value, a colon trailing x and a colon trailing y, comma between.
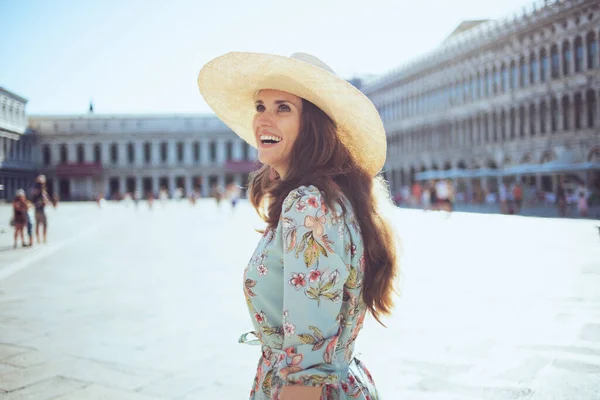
x: 126, y: 304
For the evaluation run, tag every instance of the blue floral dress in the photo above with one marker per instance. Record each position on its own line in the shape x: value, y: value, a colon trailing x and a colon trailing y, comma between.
x: 303, y: 290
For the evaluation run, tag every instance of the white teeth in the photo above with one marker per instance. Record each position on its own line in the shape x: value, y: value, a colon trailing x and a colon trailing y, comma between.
x: 268, y: 137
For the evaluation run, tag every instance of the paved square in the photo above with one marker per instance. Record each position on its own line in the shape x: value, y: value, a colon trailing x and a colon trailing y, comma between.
x: 137, y: 304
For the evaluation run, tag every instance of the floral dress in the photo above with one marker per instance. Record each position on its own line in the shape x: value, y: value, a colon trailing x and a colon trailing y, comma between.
x: 303, y: 290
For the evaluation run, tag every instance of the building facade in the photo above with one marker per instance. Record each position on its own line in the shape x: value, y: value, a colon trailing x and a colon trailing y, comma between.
x: 513, y: 99
x: 17, y: 155
x: 87, y: 155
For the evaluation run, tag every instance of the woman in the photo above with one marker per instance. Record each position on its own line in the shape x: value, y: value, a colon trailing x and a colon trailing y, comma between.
x: 327, y: 256
x: 40, y: 201
x: 19, y: 216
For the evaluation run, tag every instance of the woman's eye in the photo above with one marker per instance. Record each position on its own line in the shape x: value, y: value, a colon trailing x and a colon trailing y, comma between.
x: 260, y: 108
x: 284, y: 107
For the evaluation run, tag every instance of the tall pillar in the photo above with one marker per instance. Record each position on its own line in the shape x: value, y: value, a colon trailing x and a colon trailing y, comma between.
x: 122, y: 155
x: 205, y: 151
x: 88, y: 152
x: 138, y: 184
x: 189, y: 185
x: 172, y: 185
x: 122, y: 185
x: 155, y: 155
x: 188, y: 158
x: 155, y: 185
x: 571, y: 111
x: 171, y: 152
x: 138, y: 147
x: 238, y: 149
x: 205, y: 188
x: 71, y: 152
x: 221, y: 143
x: 221, y: 179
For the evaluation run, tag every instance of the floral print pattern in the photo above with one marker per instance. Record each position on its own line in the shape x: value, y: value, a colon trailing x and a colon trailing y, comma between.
x: 303, y: 291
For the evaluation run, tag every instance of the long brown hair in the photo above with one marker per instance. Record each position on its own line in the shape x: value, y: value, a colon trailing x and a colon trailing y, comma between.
x: 319, y: 158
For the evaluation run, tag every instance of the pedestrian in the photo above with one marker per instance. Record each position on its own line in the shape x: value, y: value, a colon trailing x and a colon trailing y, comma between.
x: 40, y: 200
x: 30, y: 219
x: 327, y: 255
x: 218, y: 194
x: 19, y: 216
x: 518, y: 197
x: 561, y: 198
x: 234, y: 193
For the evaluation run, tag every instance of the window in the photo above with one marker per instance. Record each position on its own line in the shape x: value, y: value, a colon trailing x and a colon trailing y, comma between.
x: 578, y: 109
x: 554, y: 115
x: 566, y: 58
x: 494, y: 127
x: 130, y: 153
x: 164, y: 152
x: 180, y: 152
x: 486, y: 128
x: 522, y: 121
x: 488, y: 83
x: 565, y: 111
x: 64, y: 154
x: 504, y: 78
x: 513, y: 123
x: 114, y: 153
x: 246, y: 150
x: 196, y: 152
x: 554, y: 67
x: 543, y: 116
x: 147, y: 152
x: 578, y: 54
x: 532, y: 120
x: 592, y: 51
x: 533, y: 69
x: 46, y: 155
x: 514, y: 75
x: 213, y: 152
x: 591, y: 108
x: 503, y: 125
x: 80, y: 154
x: 544, y: 65
x: 229, y: 151
x: 97, y: 153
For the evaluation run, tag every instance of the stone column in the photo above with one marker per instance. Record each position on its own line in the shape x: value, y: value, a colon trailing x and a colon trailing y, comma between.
x: 155, y: 184
x: 573, y: 55
x: 172, y: 185
x: 221, y: 179
x: 122, y: 185
x: 221, y: 151
x: 88, y: 152
x: 548, y: 115
x: 171, y: 152
x: 189, y: 184
x: 537, y: 117
x: 205, y: 189
x: 138, y: 183
x: 238, y: 149
x: 559, y: 120
x: 188, y: 156
x: 597, y: 115
x: 155, y: 153
x: 204, y: 151
x: 138, y: 146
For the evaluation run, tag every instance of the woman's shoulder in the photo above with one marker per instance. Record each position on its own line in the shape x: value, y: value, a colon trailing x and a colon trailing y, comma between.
x: 312, y: 195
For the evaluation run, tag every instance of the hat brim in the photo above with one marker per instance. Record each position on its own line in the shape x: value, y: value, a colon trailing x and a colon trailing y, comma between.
x: 229, y: 84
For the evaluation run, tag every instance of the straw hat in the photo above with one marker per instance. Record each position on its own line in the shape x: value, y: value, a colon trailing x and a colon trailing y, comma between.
x: 229, y: 84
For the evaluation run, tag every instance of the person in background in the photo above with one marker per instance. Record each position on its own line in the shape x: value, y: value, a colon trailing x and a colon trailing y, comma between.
x: 40, y: 201
x: 517, y: 197
x: 19, y: 216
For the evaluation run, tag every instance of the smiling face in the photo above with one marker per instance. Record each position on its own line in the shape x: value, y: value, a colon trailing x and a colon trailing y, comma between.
x: 276, y: 126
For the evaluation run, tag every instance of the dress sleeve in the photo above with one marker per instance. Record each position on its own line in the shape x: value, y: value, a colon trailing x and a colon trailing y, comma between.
x: 314, y: 276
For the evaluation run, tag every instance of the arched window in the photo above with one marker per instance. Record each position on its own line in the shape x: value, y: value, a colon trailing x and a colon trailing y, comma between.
x: 522, y: 121
x: 555, y: 64
x: 578, y: 111
x: 496, y: 80
x: 543, y: 116
x: 590, y: 100
x: 97, y: 153
x: 566, y: 106
x: 554, y: 114
x: 130, y: 153
x: 592, y: 50
x: 504, y: 78
x: 114, y: 153
x: 533, y: 69
x: 64, y: 154
x: 532, y: 131
x: 147, y: 152
x: 46, y: 155
x: 513, y: 123
x: 503, y: 125
x: 514, y: 75
x: 80, y: 154
x: 544, y: 65
x: 523, y: 74
x: 566, y: 58
x: 487, y: 84
x: 578, y: 54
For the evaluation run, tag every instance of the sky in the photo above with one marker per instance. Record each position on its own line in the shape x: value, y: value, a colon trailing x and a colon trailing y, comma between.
x: 143, y: 56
